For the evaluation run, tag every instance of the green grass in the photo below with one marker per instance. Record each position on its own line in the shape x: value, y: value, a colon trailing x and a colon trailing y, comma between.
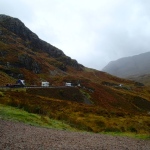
x: 19, y: 115
x: 15, y: 114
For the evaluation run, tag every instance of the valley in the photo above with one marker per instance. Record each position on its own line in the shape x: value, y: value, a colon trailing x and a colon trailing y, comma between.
x: 102, y: 103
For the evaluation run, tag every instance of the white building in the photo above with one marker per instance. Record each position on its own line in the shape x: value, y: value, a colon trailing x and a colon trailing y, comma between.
x: 68, y: 84
x: 45, y: 84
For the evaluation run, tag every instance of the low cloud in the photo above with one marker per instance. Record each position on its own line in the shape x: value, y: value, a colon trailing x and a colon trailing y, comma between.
x: 93, y: 32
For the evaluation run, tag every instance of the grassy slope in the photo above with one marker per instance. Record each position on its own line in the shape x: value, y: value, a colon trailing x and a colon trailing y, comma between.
x: 16, y: 114
x: 83, y: 117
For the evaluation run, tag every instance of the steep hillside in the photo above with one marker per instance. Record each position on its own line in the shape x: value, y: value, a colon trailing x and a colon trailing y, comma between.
x: 4, y: 79
x: 24, y: 56
x: 129, y: 66
x: 20, y: 49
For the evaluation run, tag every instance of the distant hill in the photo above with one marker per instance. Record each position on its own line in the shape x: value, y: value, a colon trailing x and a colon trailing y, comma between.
x: 129, y: 66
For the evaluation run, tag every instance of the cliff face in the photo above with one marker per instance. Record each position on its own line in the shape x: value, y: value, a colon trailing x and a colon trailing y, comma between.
x: 13, y: 33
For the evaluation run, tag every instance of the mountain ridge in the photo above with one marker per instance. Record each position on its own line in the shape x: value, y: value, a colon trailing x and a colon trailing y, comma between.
x: 129, y: 66
x: 34, y: 42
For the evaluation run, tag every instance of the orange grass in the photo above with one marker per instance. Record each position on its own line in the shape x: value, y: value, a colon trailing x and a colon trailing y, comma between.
x: 84, y: 117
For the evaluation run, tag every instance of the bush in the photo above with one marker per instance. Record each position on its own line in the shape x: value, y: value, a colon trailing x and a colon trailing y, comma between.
x: 61, y: 92
x: 1, y: 94
x: 37, y: 110
x: 112, y: 129
x: 133, y: 129
x: 100, y: 123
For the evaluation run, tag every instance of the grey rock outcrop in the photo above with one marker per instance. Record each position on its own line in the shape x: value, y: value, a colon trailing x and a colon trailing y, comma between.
x: 29, y: 63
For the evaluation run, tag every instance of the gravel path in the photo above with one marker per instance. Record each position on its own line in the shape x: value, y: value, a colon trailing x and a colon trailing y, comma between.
x: 18, y: 136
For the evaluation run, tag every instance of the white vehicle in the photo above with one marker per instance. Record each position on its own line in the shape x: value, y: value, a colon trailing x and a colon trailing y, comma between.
x: 45, y: 84
x: 20, y: 82
x: 68, y: 84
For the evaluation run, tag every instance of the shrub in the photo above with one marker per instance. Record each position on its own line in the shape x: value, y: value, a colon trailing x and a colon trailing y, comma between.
x: 61, y: 92
x: 100, y: 123
x: 112, y: 129
x: 1, y: 94
x: 37, y: 110
x: 132, y: 129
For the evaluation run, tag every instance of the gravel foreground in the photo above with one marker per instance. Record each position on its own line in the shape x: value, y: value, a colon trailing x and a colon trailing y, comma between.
x: 18, y: 136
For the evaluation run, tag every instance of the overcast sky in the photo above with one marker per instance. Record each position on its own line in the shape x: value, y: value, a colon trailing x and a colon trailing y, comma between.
x: 94, y: 32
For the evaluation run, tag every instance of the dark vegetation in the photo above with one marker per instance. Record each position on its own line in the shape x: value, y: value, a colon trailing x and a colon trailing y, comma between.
x: 71, y: 94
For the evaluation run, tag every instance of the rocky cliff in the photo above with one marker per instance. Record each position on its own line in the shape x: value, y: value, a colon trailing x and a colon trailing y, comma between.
x: 15, y: 34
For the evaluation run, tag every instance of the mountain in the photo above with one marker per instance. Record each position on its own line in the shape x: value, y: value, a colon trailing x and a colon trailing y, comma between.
x: 23, y: 55
x: 19, y: 34
x: 129, y: 66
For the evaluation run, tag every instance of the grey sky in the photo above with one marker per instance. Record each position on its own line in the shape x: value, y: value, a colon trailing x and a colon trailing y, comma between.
x: 94, y: 32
